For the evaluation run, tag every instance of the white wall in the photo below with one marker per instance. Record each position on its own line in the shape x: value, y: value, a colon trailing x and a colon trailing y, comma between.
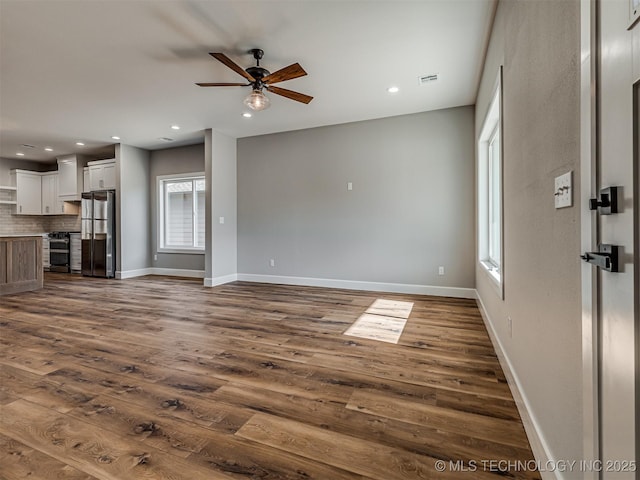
x: 133, y: 222
x: 538, y: 44
x: 221, y: 201
x: 172, y: 161
x: 411, y: 209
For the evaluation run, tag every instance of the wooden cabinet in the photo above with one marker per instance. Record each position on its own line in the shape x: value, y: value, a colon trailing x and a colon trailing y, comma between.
x: 20, y: 264
x: 50, y: 204
x: 102, y: 175
x: 28, y: 192
x: 69, y: 178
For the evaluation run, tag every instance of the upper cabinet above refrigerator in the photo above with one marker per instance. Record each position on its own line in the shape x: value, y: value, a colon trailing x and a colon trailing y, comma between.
x: 69, y: 178
x: 102, y: 175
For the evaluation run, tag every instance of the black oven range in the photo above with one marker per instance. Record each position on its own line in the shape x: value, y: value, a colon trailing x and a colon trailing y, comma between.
x: 60, y: 252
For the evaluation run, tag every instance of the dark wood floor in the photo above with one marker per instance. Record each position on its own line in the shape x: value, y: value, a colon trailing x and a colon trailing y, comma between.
x: 160, y: 378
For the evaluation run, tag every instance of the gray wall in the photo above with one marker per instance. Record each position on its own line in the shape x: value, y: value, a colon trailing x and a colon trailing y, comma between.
x: 132, y: 205
x: 221, y: 200
x: 411, y: 208
x: 538, y: 44
x: 169, y: 162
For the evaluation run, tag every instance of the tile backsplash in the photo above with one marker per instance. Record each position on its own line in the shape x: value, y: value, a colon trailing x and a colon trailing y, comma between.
x: 30, y: 224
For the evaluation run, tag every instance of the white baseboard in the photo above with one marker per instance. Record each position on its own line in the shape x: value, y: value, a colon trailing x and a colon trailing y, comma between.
x: 214, y: 282
x: 133, y: 273
x: 534, y: 432
x: 173, y: 272
x: 177, y: 272
x: 356, y: 285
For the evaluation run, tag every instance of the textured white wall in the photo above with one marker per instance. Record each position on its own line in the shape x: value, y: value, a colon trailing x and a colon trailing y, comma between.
x: 538, y: 44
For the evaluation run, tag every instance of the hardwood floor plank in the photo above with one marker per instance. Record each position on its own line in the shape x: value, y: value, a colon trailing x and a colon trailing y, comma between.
x: 333, y: 416
x: 18, y: 461
x: 157, y: 399
x: 96, y: 452
x: 355, y: 455
x: 502, y: 431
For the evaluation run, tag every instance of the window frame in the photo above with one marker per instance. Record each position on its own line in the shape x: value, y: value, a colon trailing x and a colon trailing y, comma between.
x: 162, y: 180
x: 491, y: 137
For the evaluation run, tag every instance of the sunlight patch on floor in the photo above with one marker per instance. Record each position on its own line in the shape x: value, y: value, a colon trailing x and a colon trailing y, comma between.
x: 384, y: 321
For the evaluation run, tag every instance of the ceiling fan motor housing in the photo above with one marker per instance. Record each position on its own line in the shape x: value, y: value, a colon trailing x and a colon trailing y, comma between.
x: 257, y: 72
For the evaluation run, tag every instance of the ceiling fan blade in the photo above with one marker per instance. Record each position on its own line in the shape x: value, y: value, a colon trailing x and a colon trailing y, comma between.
x: 221, y: 57
x: 223, y: 84
x: 298, y: 97
x: 286, y: 73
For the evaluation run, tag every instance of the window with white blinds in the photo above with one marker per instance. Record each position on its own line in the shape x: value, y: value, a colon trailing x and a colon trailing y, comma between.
x: 181, y: 211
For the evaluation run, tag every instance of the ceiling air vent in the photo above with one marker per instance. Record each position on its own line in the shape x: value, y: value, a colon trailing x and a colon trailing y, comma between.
x: 428, y: 78
x: 166, y: 139
x: 26, y: 145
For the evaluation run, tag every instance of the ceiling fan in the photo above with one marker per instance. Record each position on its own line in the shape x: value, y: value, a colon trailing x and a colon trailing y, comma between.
x: 260, y: 78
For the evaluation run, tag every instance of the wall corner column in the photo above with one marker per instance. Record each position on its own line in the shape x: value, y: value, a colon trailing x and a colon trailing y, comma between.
x: 221, y: 257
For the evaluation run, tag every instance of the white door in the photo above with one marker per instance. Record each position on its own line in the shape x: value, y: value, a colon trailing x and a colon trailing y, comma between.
x: 616, y: 332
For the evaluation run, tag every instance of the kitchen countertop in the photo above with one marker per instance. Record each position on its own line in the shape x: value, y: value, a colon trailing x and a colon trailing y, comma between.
x: 15, y: 235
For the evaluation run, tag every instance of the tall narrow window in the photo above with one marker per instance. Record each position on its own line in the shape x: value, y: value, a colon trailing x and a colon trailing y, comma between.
x: 490, y: 191
x: 495, y: 230
x: 181, y: 213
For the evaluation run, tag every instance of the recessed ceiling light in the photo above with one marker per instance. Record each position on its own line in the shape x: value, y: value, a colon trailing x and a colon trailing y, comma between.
x: 115, y: 137
x: 247, y: 115
x: 175, y: 127
x: 20, y: 154
x: 48, y: 149
x: 424, y: 79
x: 393, y: 89
x: 80, y: 144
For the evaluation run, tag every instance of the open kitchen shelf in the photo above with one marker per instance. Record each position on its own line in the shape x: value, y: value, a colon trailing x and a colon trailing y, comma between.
x: 6, y: 188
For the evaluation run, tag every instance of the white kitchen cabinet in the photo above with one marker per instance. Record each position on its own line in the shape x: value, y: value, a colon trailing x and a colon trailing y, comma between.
x: 50, y: 204
x: 70, y: 178
x: 28, y: 192
x: 75, y: 248
x: 102, y: 175
x: 86, y: 187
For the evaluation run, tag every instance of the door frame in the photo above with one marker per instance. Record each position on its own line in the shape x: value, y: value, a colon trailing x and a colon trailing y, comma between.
x: 589, y: 227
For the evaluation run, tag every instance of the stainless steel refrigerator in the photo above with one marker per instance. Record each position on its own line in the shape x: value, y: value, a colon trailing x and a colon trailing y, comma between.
x: 98, y: 234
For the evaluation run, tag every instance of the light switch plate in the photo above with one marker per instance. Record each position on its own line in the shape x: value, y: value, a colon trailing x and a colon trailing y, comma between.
x: 221, y: 220
x: 563, y: 192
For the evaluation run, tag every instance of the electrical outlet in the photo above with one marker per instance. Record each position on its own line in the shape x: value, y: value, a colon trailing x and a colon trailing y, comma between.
x: 221, y: 220
x: 510, y: 327
x: 155, y: 257
x: 349, y: 186
x: 272, y: 263
x: 440, y: 270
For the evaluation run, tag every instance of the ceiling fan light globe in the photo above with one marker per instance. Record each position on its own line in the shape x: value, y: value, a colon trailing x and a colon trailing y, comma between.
x: 257, y: 101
